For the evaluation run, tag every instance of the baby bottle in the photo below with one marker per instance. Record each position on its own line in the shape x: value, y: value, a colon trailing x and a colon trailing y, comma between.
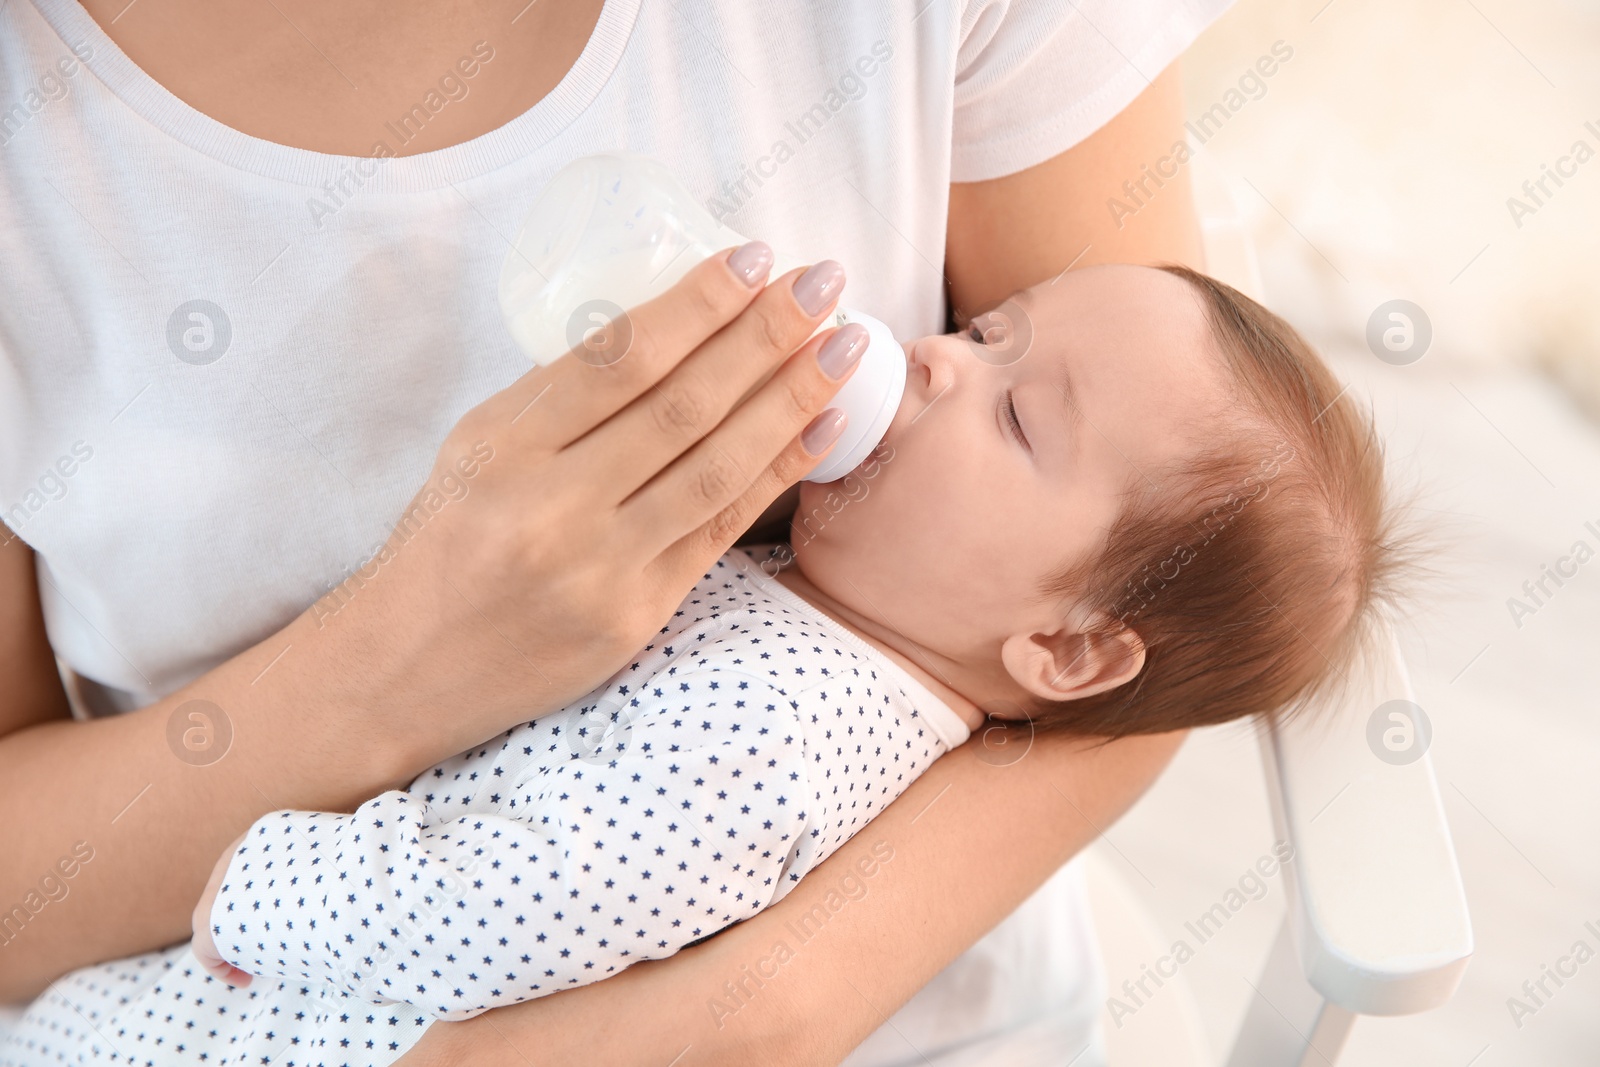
x: 612, y: 231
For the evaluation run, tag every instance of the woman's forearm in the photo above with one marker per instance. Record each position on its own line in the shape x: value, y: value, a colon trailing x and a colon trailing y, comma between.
x: 809, y: 978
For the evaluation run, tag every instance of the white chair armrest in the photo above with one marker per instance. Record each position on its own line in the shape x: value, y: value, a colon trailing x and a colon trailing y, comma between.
x: 1377, y: 909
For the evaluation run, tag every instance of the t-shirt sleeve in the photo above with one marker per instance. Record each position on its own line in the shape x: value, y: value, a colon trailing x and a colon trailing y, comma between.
x: 1035, y: 77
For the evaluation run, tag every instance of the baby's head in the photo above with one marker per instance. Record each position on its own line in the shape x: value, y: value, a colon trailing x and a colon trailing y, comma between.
x: 1127, y: 501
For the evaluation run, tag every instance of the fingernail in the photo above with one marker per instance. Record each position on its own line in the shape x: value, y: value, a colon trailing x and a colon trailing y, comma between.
x: 823, y: 431
x: 751, y: 262
x: 841, y: 351
x: 817, y: 287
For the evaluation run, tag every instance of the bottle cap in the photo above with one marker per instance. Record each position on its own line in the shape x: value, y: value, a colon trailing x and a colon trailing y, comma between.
x: 869, y: 398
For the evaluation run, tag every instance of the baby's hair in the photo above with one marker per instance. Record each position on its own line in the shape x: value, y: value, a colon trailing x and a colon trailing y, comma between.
x: 1255, y: 571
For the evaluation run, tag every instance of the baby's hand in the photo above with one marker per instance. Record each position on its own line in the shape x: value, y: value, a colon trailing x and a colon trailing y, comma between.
x: 205, y: 948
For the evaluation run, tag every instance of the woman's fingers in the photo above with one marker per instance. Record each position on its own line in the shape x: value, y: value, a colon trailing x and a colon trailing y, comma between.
x: 673, y: 415
x: 696, y: 551
x: 622, y: 354
x: 701, y: 503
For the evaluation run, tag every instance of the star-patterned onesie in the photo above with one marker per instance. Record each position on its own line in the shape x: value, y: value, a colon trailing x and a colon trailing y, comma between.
x: 692, y: 789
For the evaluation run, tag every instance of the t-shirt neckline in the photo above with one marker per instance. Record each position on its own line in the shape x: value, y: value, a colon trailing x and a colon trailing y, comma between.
x: 942, y: 718
x: 505, y: 144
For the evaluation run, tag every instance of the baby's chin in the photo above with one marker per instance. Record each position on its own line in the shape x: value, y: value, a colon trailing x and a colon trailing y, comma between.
x: 823, y: 504
x: 817, y: 520
x: 830, y: 518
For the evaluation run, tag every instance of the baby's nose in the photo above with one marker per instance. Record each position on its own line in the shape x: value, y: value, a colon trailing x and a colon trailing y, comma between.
x: 933, y: 363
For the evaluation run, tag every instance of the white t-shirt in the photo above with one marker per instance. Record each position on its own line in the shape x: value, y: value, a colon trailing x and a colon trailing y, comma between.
x: 227, y: 364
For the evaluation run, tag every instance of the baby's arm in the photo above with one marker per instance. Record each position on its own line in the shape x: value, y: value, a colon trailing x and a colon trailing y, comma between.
x: 582, y: 872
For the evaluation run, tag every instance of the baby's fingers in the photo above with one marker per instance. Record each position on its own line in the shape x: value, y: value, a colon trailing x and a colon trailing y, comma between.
x: 211, y: 961
x: 224, y: 971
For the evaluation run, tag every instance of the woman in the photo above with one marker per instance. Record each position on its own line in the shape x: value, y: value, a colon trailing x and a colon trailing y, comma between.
x: 249, y: 259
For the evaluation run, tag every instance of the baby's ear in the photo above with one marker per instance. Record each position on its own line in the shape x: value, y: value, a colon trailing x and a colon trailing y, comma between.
x: 1069, y: 665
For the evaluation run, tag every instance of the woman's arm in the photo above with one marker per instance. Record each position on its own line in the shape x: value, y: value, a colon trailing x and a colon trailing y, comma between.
x: 942, y: 865
x: 1016, y: 231
x: 971, y: 841
x: 586, y: 522
x: 31, y: 677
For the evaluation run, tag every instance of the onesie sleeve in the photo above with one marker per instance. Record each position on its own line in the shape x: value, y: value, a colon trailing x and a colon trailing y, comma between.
x: 1035, y: 77
x: 679, y: 825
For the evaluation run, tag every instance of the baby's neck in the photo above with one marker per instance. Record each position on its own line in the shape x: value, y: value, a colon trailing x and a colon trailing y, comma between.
x: 939, y: 674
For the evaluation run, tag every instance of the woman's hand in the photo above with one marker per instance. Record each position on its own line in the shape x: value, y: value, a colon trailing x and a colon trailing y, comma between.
x: 563, y: 522
x: 203, y: 944
x: 568, y: 515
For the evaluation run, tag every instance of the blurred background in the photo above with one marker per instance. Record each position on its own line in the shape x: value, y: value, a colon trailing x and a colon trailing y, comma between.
x: 1387, y: 159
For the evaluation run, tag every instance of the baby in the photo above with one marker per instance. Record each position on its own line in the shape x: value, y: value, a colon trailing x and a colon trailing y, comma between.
x: 1127, y: 501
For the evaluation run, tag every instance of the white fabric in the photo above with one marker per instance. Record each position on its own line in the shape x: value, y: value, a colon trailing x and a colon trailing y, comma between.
x: 182, y: 509
x: 751, y: 738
